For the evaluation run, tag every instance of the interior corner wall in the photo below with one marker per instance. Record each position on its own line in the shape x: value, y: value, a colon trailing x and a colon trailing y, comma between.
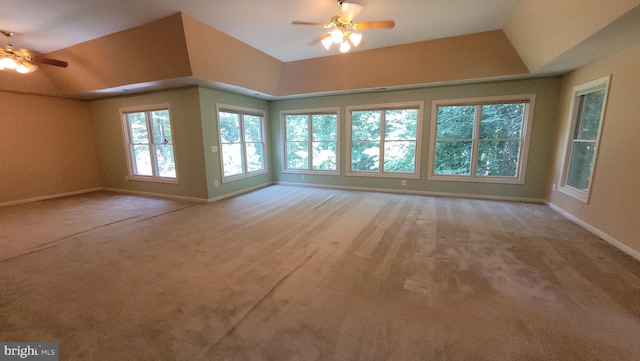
x: 46, y: 148
x: 542, y: 137
x: 614, y: 205
x: 187, y: 135
x: 209, y: 99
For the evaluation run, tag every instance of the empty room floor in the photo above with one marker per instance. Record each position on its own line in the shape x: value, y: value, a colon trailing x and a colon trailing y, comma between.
x: 297, y: 273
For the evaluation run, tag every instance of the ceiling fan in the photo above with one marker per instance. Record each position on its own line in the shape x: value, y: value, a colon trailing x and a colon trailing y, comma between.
x: 22, y: 60
x: 342, y: 29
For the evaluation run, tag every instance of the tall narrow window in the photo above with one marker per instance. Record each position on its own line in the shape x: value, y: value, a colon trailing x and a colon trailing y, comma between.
x: 480, y: 140
x: 586, y: 122
x: 311, y: 142
x: 149, y: 144
x: 385, y: 140
x: 242, y: 141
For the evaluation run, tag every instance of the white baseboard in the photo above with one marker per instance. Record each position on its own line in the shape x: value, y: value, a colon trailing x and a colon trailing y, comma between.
x: 157, y: 195
x: 51, y: 196
x: 421, y: 193
x: 609, y: 239
x: 243, y: 191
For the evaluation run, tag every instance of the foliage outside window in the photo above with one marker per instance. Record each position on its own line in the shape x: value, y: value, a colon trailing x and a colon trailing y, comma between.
x: 384, y: 140
x: 311, y: 142
x: 150, y: 144
x: 480, y: 140
x: 586, y: 122
x: 242, y: 143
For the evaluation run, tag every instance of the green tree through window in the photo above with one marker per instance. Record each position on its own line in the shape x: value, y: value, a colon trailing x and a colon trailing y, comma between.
x: 242, y: 143
x: 150, y: 143
x: 384, y: 141
x: 475, y: 141
x: 311, y: 142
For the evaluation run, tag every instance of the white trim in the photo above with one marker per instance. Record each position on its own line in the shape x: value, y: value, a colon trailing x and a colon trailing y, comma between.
x: 418, y: 193
x: 419, y: 105
x: 243, y: 111
x: 283, y: 132
x: 237, y: 193
x: 525, y: 138
x: 606, y: 237
x: 578, y: 91
x: 156, y: 195
x: 51, y: 196
x: 125, y: 132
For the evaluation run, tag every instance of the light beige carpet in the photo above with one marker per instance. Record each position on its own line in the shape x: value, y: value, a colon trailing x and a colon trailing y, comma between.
x: 292, y: 273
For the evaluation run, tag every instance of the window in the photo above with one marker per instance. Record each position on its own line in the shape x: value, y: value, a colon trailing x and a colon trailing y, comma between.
x: 384, y: 140
x: 311, y: 141
x: 242, y: 141
x: 149, y: 142
x: 587, y: 112
x: 480, y: 140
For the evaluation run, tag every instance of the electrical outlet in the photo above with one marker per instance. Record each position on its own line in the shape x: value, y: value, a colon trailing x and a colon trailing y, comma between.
x: 216, y: 183
x: 302, y: 177
x: 126, y: 177
x: 553, y: 187
x: 404, y: 182
x: 214, y: 149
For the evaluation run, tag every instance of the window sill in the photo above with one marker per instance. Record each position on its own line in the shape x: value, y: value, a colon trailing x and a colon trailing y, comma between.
x: 575, y: 193
x: 492, y: 180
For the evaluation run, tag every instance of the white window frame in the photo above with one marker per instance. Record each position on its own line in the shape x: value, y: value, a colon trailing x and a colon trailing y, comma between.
x: 578, y: 92
x: 242, y: 111
x: 309, y: 113
x: 419, y: 105
x: 127, y: 144
x: 525, y: 136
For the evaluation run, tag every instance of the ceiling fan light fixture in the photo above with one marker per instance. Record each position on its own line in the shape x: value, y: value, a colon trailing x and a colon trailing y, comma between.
x: 337, y: 36
x: 7, y: 63
x: 326, y: 42
x: 344, y: 47
x: 355, y: 38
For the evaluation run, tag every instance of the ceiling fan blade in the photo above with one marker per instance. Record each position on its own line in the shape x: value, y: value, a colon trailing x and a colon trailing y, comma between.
x: 307, y: 23
x: 383, y: 24
x: 348, y: 11
x: 49, y: 61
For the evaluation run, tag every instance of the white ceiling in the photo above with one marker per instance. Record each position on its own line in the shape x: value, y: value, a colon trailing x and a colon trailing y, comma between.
x: 48, y: 25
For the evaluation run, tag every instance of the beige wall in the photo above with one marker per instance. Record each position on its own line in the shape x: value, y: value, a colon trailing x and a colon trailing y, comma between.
x: 542, y: 30
x: 468, y: 57
x: 614, y: 205
x: 46, y: 147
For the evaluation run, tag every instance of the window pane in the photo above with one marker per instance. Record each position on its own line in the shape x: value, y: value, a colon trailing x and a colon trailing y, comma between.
x: 501, y: 121
x: 141, y: 160
x: 498, y: 158
x: 232, y: 155
x: 324, y: 156
x: 365, y: 125
x: 582, y: 156
x: 252, y: 128
x: 325, y: 127
x: 161, y: 126
x: 255, y: 157
x: 399, y: 156
x: 453, y: 158
x: 166, y: 162
x: 455, y: 122
x: 297, y: 155
x: 401, y: 124
x: 589, y: 115
x: 365, y: 156
x: 229, y: 127
x: 138, y: 128
x: 297, y: 128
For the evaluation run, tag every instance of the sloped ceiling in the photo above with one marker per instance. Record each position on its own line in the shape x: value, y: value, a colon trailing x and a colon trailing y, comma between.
x: 180, y: 50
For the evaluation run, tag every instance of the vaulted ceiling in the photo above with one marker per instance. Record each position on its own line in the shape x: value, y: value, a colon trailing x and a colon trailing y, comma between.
x: 250, y: 47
